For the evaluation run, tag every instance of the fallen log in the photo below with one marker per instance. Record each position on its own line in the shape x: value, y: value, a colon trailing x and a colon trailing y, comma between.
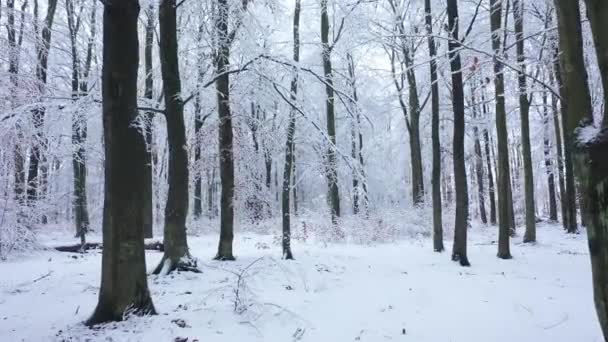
x: 78, y: 248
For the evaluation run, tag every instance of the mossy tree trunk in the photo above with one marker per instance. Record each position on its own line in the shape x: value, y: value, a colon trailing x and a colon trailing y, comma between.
x: 124, y: 285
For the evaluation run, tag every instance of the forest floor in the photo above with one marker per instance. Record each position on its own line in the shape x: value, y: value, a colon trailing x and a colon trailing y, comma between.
x: 332, y: 292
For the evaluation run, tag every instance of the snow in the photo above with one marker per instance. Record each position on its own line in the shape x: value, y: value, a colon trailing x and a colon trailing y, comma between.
x: 400, y: 291
x: 587, y: 134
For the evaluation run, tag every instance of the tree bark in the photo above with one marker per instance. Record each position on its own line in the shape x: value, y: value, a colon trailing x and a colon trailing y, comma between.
x: 36, y: 185
x: 226, y: 154
x: 548, y: 161
x: 570, y: 222
x: 289, y: 145
x: 331, y: 164
x: 524, y: 109
x: 504, y: 177
x: 487, y: 143
x: 478, y: 160
x: 436, y: 144
x: 149, y: 123
x: 589, y: 151
x: 177, y: 255
x: 459, y: 251
x: 124, y: 286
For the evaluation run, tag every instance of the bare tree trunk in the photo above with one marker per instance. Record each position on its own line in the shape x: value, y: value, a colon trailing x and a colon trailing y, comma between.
x: 459, y: 251
x: 478, y: 160
x: 331, y: 167
x: 589, y: 151
x: 79, y: 125
x: 524, y: 108
x: 36, y: 185
x: 124, y: 286
x: 487, y: 143
x: 289, y: 145
x: 177, y: 255
x: 548, y: 160
x: 570, y: 222
x: 149, y: 125
x: 436, y: 173
x: 504, y: 177
x: 560, y: 157
x: 226, y: 154
x: 360, y: 198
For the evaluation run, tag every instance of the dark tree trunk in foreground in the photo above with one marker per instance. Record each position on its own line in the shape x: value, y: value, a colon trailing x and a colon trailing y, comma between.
x: 524, y: 108
x: 149, y: 94
x: 226, y: 154
x: 459, y: 251
x: 436, y: 173
x: 289, y: 148
x: 589, y: 148
x: 124, y: 285
x: 177, y: 255
x: 503, y: 169
x: 36, y: 184
x: 331, y: 167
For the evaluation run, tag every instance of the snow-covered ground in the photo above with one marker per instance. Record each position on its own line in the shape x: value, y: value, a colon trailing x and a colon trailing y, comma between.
x: 333, y: 292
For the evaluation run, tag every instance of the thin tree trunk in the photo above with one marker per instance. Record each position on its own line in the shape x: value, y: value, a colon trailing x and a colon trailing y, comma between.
x: 504, y: 177
x: 570, y: 222
x: 124, y: 286
x: 36, y: 184
x: 436, y: 144
x: 524, y: 108
x: 548, y: 161
x: 289, y: 145
x: 331, y: 167
x: 478, y: 161
x: 177, y: 255
x: 149, y: 94
x: 459, y: 251
x: 560, y: 156
x: 487, y: 143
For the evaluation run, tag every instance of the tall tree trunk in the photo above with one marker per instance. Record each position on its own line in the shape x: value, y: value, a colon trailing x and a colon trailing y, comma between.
x: 548, y: 160
x: 459, y: 251
x: 289, y: 145
x: 589, y: 150
x: 504, y: 177
x: 124, y: 286
x: 198, y: 126
x: 36, y: 185
x: 177, y: 255
x: 149, y: 94
x: 79, y: 129
x: 487, y: 143
x: 360, y: 198
x: 560, y: 156
x: 19, y: 186
x: 524, y: 108
x: 331, y: 167
x: 436, y: 144
x: 478, y: 159
x: 226, y: 154
x: 570, y: 222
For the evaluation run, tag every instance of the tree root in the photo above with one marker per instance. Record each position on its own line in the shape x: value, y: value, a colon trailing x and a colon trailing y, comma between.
x: 184, y: 264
